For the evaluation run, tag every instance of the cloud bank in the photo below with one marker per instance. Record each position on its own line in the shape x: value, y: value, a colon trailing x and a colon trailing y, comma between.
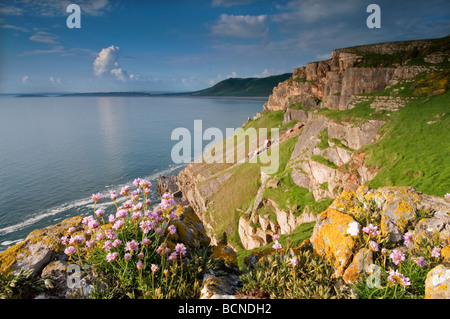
x: 106, y: 62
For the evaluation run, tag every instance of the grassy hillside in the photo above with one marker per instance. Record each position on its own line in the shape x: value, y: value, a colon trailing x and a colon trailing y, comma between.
x: 244, y: 87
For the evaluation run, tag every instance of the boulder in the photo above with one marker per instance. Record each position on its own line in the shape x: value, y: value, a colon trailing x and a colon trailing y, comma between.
x: 38, y: 248
x: 437, y: 284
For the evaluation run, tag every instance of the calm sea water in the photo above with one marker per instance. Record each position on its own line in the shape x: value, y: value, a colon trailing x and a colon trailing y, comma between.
x: 55, y: 152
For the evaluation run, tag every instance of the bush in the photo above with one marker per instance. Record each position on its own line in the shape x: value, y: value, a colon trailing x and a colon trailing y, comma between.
x: 132, y: 255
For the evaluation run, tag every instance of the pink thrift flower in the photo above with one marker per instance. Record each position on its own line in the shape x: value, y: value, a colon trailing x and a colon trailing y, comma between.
x: 139, y: 265
x: 107, y: 245
x: 136, y: 182
x: 122, y: 213
x: 71, y: 230
x: 64, y: 240
x: 397, y: 256
x: 436, y: 252
x: 173, y: 256
x: 293, y: 261
x: 146, y: 241
x: 145, y: 184
x: 91, y: 243
x: 275, y: 237
x: 111, y: 234
x: 111, y: 219
x: 111, y: 257
x: 118, y: 224
x: 277, y: 245
x: 97, y: 197
x: 407, y: 239
x: 70, y: 250
x: 371, y: 230
x: 113, y: 195
x: 397, y: 277
x: 116, y: 243
x: 99, y: 212
x: 154, y: 268
x: 127, y: 256
x: 421, y: 262
x: 172, y: 229
x: 447, y: 196
x: 180, y: 249
x: 131, y: 245
x: 374, y: 245
x: 124, y: 191
x: 100, y: 236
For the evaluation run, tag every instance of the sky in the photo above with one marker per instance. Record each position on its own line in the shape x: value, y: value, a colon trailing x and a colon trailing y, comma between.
x: 181, y: 46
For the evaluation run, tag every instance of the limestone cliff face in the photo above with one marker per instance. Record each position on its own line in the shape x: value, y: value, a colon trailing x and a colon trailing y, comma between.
x: 337, y: 80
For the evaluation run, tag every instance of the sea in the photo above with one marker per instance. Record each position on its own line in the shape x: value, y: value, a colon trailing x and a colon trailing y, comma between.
x: 55, y: 152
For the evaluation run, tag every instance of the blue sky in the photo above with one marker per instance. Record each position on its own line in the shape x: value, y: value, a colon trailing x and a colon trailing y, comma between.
x: 189, y: 45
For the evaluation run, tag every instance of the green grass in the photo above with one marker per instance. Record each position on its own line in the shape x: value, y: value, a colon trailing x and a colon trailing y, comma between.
x: 324, y: 161
x: 412, y: 152
x: 362, y: 112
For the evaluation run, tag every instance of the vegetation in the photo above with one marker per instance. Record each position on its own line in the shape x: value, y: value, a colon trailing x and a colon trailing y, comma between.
x: 244, y: 87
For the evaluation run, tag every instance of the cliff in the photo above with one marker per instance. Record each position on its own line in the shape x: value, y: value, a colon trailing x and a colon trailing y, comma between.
x: 335, y: 117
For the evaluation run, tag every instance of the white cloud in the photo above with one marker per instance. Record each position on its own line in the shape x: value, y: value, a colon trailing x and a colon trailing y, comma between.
x: 241, y: 26
x: 106, y: 62
x: 44, y: 37
x: 25, y: 79
x: 54, y: 80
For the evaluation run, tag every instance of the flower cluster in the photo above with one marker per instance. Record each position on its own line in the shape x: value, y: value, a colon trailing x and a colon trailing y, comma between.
x: 135, y: 236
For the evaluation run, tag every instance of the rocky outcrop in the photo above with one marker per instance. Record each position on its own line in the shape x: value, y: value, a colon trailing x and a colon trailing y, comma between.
x: 351, y: 71
x: 337, y: 233
x: 319, y: 167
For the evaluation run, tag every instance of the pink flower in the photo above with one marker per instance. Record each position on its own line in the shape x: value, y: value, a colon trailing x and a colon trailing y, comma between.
x: 146, y: 241
x: 122, y: 213
x: 70, y: 250
x: 166, y: 196
x: 100, y: 236
x: 97, y: 197
x: 131, y: 245
x: 139, y: 265
x: 146, y: 225
x: 71, y: 230
x: 172, y: 229
x: 118, y: 224
x: 275, y: 237
x: 124, y: 191
x: 173, y: 256
x: 145, y: 184
x: 136, y: 182
x: 111, y: 219
x: 99, y: 212
x: 136, y: 216
x: 111, y: 257
x: 373, y: 245
x: 64, y: 240
x: 277, y: 245
x: 113, y: 195
x: 447, y: 195
x: 293, y: 261
x: 180, y: 249
x: 107, y: 245
x: 154, y: 268
x: 93, y: 224
x: 127, y: 256
x: 421, y: 262
x: 397, y: 256
x: 436, y: 252
x: 111, y: 234
x: 116, y: 243
x: 371, y: 230
x: 78, y: 239
x: 91, y: 243
x: 407, y: 239
x: 396, y: 277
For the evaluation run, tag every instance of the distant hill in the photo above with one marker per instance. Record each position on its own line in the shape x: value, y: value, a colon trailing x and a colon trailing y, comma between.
x: 244, y: 87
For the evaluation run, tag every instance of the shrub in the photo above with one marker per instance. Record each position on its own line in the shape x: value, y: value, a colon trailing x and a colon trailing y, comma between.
x: 131, y: 254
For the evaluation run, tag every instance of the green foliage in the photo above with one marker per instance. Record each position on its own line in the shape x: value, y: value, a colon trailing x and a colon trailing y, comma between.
x: 275, y: 277
x: 24, y: 285
x: 413, y: 152
x: 322, y: 160
x: 244, y: 87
